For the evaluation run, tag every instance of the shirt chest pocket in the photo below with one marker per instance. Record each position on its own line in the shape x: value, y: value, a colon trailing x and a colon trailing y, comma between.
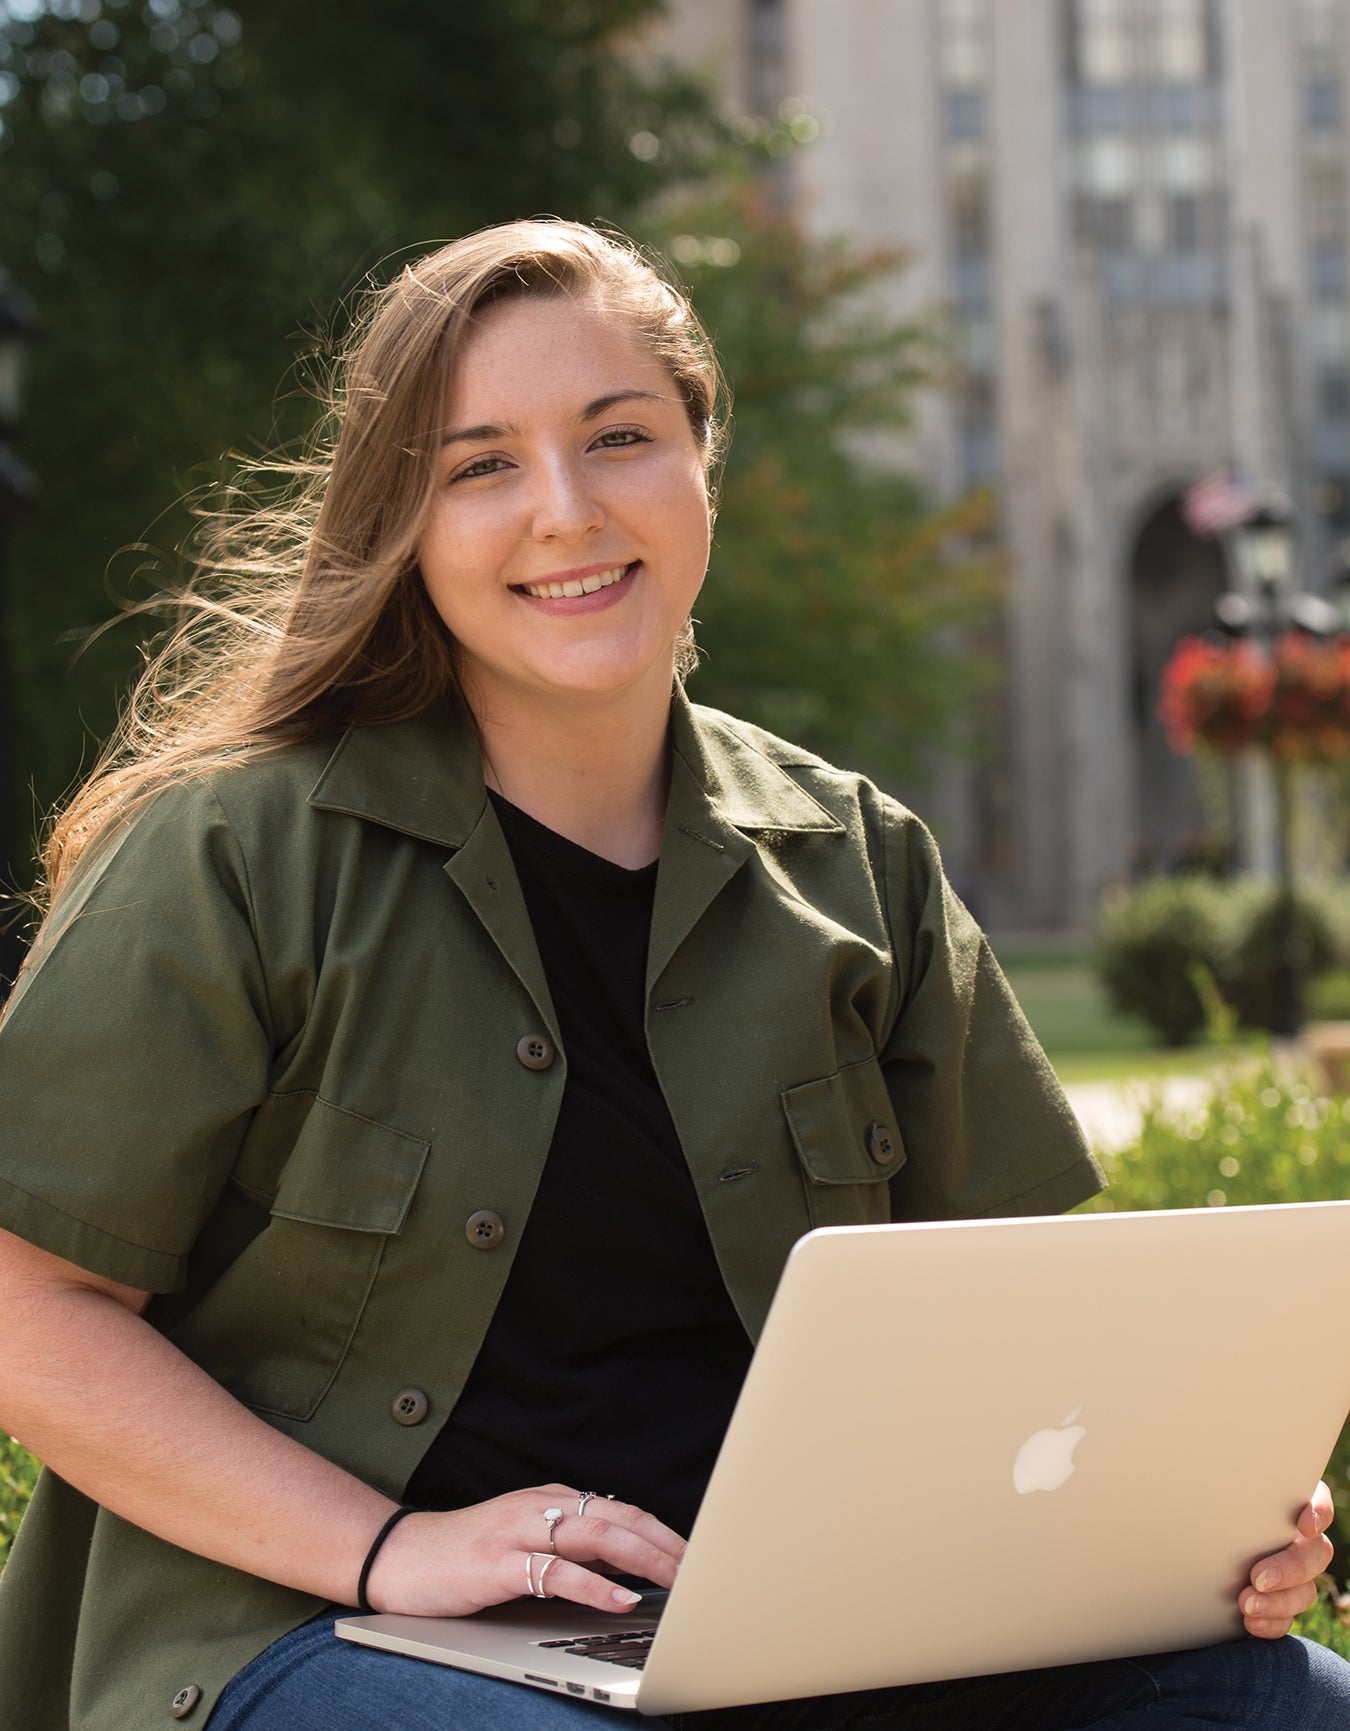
x: 844, y: 1131
x: 276, y: 1327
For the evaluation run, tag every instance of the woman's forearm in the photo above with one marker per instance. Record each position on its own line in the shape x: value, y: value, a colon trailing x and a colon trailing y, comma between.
x: 120, y: 1413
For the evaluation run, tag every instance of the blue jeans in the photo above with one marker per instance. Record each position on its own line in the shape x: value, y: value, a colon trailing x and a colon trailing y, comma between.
x: 310, y: 1680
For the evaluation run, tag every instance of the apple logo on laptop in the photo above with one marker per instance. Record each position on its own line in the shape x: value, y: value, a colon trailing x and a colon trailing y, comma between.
x: 1045, y: 1460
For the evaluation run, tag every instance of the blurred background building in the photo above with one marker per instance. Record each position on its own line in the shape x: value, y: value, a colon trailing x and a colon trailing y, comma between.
x: 1138, y: 210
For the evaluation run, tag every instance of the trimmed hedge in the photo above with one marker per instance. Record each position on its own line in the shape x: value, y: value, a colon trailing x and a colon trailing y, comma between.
x: 1152, y: 940
x: 18, y: 1473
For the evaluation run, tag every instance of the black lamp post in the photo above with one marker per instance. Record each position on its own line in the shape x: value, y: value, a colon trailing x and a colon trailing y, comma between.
x: 1265, y: 604
x: 1338, y: 585
x: 17, y: 329
x: 1262, y: 552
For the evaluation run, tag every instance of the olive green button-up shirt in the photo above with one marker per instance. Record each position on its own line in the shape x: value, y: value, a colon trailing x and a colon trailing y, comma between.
x: 271, y: 1064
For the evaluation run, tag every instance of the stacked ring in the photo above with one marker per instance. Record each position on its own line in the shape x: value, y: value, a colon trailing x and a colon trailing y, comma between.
x: 534, y: 1583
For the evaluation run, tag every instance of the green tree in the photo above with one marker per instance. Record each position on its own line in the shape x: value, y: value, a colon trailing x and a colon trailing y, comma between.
x: 842, y: 609
x: 187, y: 189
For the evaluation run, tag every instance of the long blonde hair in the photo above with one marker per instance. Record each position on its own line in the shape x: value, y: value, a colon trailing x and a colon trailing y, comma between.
x: 310, y: 613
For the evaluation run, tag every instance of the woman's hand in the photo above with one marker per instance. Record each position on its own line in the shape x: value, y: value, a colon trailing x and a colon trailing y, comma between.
x: 1284, y: 1585
x: 451, y: 1564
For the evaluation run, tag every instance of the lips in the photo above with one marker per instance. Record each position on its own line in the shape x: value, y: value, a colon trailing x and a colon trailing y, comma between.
x: 573, y: 588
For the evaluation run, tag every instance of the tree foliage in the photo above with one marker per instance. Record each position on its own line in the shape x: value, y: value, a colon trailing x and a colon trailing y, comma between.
x: 842, y: 609
x: 187, y: 192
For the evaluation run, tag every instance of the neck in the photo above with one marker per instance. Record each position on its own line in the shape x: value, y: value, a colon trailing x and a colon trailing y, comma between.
x: 597, y: 774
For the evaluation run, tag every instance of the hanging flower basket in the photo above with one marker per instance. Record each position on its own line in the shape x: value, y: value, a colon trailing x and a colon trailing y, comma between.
x: 1215, y: 695
x: 1229, y: 698
x: 1310, y: 705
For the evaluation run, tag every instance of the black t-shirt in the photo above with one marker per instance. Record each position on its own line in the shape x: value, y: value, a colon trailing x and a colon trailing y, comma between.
x: 615, y: 1355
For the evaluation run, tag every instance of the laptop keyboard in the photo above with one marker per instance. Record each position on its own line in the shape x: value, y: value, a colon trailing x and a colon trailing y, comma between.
x: 627, y: 1647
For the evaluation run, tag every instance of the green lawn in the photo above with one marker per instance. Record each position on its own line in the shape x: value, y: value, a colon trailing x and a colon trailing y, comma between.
x: 1084, y: 1038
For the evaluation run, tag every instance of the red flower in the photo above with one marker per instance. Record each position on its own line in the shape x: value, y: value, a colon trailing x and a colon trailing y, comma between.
x: 1229, y: 697
x: 1216, y: 695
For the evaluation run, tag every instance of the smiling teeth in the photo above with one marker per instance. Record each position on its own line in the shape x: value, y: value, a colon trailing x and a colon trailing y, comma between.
x: 576, y: 586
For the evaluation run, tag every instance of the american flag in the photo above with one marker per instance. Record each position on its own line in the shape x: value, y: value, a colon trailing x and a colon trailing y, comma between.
x: 1216, y: 504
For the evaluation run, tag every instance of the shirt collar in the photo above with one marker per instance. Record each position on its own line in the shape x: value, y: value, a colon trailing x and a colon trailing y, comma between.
x: 424, y: 777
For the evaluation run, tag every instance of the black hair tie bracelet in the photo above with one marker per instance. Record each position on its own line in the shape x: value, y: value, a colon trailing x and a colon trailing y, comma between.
x: 362, y: 1602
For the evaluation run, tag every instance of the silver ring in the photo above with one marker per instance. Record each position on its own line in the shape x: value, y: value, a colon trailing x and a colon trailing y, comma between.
x: 534, y: 1584
x: 590, y: 1496
x: 552, y: 1517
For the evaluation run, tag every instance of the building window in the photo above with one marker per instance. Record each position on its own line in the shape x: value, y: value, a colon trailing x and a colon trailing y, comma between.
x: 1183, y: 108
x: 1324, y: 197
x: 1328, y: 271
x: 1103, y: 108
x: 969, y: 222
x: 1183, y: 56
x: 1123, y: 276
x: 1334, y: 393
x: 1183, y: 222
x: 1187, y: 164
x: 1331, y: 336
x: 978, y: 349
x: 970, y: 280
x: 1331, y: 446
x: 979, y: 447
x: 963, y: 44
x: 1333, y: 500
x: 1110, y: 167
x: 1322, y: 104
x: 1113, y: 224
x: 963, y: 113
x: 1104, y: 48
x: 768, y: 55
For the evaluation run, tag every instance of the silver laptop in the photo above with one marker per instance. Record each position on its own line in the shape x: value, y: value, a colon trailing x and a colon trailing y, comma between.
x: 976, y: 1447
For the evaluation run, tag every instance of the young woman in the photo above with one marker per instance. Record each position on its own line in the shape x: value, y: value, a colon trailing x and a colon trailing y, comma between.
x: 440, y: 1034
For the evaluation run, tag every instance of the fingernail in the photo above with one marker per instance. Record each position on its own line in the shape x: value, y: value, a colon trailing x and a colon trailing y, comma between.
x: 1267, y: 1581
x: 1254, y: 1606
x: 622, y: 1596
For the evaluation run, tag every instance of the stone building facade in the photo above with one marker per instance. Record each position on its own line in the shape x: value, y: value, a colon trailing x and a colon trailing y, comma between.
x: 1139, y: 211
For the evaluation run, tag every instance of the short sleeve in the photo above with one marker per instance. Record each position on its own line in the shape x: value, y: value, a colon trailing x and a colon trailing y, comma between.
x: 986, y: 1125
x: 135, y: 1048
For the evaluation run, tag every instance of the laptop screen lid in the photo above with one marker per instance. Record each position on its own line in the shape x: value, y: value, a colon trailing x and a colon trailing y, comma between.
x: 980, y: 1446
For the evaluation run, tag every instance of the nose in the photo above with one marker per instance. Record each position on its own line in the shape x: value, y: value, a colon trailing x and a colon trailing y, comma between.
x: 565, y: 506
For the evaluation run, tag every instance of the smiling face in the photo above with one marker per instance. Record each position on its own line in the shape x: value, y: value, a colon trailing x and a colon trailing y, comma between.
x: 569, y: 532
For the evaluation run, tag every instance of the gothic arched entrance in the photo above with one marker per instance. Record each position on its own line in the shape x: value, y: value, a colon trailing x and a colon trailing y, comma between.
x: 1174, y: 580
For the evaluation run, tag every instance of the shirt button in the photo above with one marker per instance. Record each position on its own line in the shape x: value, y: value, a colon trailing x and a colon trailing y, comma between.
x: 485, y: 1230
x: 184, y: 1701
x: 535, y: 1052
x: 409, y: 1406
x: 881, y: 1143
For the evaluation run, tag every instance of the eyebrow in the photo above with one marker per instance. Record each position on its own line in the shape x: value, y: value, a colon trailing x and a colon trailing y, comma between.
x: 592, y: 412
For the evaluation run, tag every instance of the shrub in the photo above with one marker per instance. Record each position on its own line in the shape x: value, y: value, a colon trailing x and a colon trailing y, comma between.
x: 1315, y: 930
x: 18, y: 1471
x: 1329, y: 996
x: 1327, y: 1622
x: 1152, y: 939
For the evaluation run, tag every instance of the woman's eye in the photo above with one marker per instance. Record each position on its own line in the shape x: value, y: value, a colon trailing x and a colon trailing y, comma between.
x: 479, y: 467
x: 615, y: 438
